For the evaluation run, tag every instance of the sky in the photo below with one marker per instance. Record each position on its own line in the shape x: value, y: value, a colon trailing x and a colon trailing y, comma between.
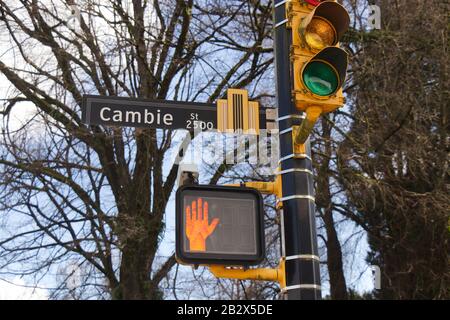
x: 23, y: 288
x: 18, y: 289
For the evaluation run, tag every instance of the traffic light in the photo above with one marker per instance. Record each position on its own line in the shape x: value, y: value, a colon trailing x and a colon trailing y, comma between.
x: 219, y: 225
x: 319, y: 65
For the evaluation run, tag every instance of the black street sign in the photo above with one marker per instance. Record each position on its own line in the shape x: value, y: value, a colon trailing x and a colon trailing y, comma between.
x: 130, y: 112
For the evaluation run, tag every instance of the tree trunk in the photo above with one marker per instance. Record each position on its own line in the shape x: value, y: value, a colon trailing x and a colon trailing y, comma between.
x: 140, y: 243
x: 338, y: 287
x: 133, y: 276
x: 324, y: 201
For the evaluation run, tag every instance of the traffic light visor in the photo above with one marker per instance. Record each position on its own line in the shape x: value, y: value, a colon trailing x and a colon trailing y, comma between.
x: 325, y: 73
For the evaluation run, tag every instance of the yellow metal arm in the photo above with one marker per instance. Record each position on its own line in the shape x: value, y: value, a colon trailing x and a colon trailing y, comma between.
x: 302, y: 134
x: 263, y: 274
x: 264, y: 187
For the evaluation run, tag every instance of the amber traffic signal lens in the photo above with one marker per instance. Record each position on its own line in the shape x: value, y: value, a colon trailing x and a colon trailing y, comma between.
x: 320, y: 34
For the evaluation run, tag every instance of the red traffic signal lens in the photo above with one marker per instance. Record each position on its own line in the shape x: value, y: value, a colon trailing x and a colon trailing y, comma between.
x: 313, y: 2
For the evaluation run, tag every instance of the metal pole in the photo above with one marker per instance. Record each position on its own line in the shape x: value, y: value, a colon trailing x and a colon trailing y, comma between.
x: 298, y: 227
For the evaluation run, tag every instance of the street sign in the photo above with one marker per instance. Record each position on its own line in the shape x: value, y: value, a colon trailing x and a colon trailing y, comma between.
x: 219, y: 225
x: 143, y: 113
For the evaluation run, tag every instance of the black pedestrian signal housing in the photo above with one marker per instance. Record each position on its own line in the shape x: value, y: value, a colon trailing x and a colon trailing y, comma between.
x: 219, y: 225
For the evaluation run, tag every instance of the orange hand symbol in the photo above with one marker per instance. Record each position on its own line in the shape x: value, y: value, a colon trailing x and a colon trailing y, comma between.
x: 197, y: 228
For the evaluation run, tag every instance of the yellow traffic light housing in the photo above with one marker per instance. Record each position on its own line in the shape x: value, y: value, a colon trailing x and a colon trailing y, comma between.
x: 319, y: 65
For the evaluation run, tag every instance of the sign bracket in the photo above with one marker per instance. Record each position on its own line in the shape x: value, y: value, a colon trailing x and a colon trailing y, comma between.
x: 261, y: 274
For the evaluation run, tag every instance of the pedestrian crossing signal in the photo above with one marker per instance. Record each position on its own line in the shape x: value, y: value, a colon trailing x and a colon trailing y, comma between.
x: 219, y: 225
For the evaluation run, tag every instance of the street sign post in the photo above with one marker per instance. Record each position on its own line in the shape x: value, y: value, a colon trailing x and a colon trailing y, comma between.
x: 219, y: 225
x: 162, y: 114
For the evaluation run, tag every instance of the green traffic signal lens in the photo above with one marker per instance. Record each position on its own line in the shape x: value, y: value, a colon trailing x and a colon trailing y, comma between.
x: 320, y: 78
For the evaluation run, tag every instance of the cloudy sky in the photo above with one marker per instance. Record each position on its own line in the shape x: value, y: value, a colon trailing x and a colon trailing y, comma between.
x: 17, y: 289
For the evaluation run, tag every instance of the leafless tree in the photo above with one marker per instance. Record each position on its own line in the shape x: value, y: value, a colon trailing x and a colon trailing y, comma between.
x: 92, y: 194
x: 393, y: 162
